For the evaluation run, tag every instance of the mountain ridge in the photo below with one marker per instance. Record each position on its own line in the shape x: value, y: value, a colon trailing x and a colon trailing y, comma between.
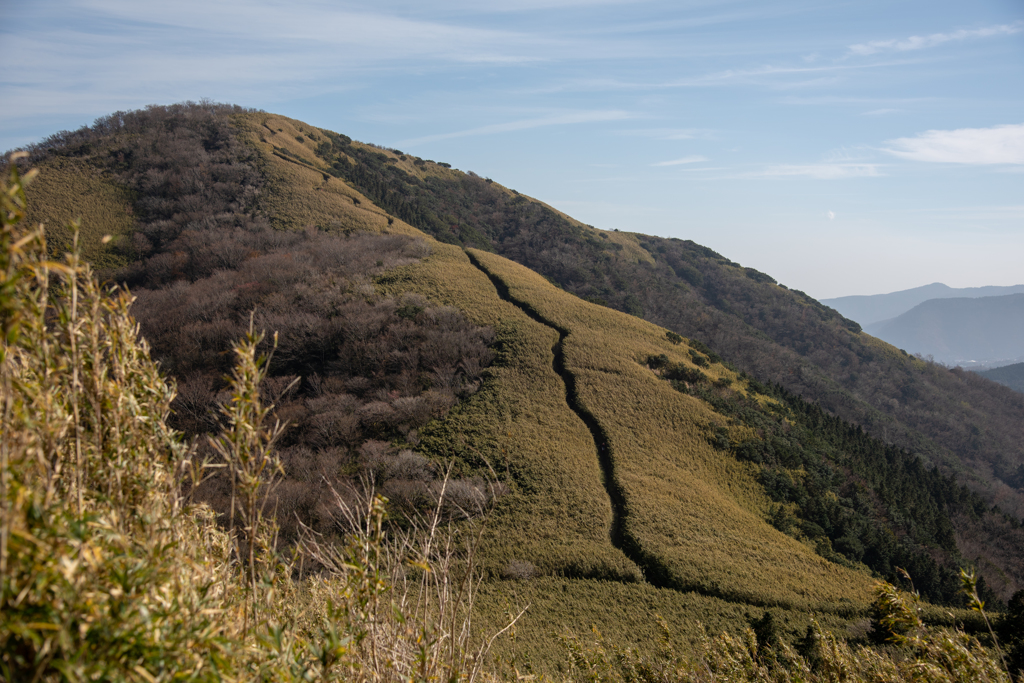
x: 660, y: 279
x: 1008, y: 375
x: 956, y: 331
x: 872, y: 309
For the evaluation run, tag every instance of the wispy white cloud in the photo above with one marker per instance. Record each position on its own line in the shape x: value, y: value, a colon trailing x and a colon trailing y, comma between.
x: 734, y: 75
x: 830, y: 100
x: 694, y: 159
x: 671, y: 133
x: 996, y: 145
x: 766, y: 75
x: 563, y: 119
x: 923, y: 42
x: 849, y: 154
x: 111, y: 54
x: 822, y: 171
x: 353, y: 31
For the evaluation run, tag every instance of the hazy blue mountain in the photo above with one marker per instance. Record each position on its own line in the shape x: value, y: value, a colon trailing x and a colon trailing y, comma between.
x: 959, y: 330
x: 868, y: 310
x: 1009, y: 375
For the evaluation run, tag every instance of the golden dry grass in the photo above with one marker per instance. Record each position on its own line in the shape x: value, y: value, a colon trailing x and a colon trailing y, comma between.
x: 300, y: 195
x: 631, y: 248
x: 557, y: 516
x: 698, y: 510
x: 69, y: 190
x: 625, y: 614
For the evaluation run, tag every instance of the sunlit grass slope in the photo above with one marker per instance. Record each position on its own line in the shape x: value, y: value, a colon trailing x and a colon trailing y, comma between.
x: 69, y: 190
x: 698, y: 511
x: 556, y: 515
x: 301, y: 193
x: 555, y: 519
x: 625, y: 613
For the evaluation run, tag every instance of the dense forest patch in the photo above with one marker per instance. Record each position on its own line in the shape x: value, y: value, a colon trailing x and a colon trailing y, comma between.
x: 857, y: 501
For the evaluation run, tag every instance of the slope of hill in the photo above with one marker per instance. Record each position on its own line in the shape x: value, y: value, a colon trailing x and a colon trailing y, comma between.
x: 957, y: 331
x: 873, y: 309
x: 960, y: 422
x: 625, y: 454
x: 1009, y: 375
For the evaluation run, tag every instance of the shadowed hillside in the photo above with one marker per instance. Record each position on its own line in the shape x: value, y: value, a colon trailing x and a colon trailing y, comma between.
x: 955, y: 331
x: 871, y: 309
x: 1009, y: 375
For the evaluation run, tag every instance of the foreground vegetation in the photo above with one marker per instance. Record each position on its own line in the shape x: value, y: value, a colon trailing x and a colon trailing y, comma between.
x: 111, y: 572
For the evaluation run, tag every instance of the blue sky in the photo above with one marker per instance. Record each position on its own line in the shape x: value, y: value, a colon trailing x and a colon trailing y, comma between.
x: 842, y: 147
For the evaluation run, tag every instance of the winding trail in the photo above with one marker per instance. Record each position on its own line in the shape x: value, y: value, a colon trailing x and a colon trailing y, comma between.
x: 655, y: 573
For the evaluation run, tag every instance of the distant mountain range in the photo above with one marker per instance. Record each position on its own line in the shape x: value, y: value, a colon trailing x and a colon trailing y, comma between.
x: 959, y: 331
x: 1009, y: 375
x: 868, y: 310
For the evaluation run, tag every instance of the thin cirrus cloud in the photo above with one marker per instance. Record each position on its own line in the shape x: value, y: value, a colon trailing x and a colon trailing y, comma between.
x: 314, y: 42
x: 922, y: 42
x: 685, y: 160
x: 822, y: 171
x: 979, y: 146
x: 670, y: 133
x: 564, y: 119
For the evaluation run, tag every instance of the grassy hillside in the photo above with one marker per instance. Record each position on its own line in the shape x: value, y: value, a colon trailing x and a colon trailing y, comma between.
x: 111, y: 571
x: 619, y: 477
x: 952, y: 420
x: 68, y: 191
x: 777, y: 334
x: 692, y: 518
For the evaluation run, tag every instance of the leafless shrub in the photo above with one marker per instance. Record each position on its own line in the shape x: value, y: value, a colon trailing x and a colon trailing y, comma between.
x: 520, y: 570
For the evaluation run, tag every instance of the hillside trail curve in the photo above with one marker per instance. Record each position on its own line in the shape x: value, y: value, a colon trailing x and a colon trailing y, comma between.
x: 653, y: 571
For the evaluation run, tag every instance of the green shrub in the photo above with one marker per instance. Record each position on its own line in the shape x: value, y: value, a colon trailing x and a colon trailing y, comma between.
x: 106, y: 573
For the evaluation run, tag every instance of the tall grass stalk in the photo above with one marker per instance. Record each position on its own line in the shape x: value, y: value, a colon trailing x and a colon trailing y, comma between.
x: 413, y: 589
x: 247, y: 448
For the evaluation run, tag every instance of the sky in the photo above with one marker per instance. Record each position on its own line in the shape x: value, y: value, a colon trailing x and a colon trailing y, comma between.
x: 842, y: 147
